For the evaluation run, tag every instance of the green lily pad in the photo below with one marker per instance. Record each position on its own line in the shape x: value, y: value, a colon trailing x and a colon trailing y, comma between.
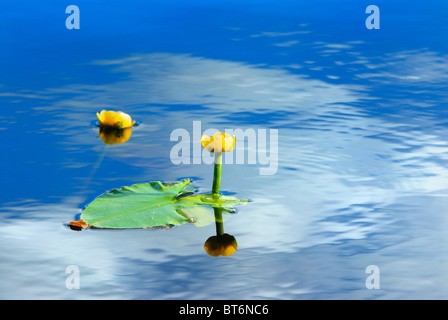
x: 155, y: 204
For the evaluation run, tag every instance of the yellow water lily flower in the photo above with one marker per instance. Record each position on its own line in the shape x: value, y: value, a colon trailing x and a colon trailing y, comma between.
x: 111, y: 135
x: 219, y: 142
x: 223, y: 245
x: 116, y: 119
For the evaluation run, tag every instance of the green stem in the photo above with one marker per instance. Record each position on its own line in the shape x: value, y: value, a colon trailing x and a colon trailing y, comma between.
x: 215, y: 192
x: 219, y: 222
x: 217, y: 173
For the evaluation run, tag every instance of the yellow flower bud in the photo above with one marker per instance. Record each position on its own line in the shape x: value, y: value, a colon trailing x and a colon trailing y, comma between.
x: 219, y: 142
x: 115, y: 119
x: 223, y: 245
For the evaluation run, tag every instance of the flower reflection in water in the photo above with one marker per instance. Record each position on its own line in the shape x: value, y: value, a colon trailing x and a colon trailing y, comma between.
x: 114, y: 126
x: 223, y: 244
x: 112, y: 136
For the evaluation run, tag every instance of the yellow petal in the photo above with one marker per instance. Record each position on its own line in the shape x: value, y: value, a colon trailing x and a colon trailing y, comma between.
x: 205, y: 141
x: 219, y: 142
x: 115, y: 119
x: 229, y: 143
x: 125, y: 119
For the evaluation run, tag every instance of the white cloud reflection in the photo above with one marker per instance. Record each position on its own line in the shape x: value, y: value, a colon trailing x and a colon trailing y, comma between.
x: 330, y: 151
x: 216, y: 84
x: 344, y: 174
x: 332, y: 155
x: 286, y: 44
x: 407, y: 67
x: 272, y: 34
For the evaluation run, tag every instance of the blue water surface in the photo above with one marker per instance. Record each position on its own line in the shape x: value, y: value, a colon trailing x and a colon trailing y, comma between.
x: 362, y: 124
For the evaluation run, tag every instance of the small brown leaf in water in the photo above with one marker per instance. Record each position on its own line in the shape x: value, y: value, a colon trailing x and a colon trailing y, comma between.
x: 78, y: 225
